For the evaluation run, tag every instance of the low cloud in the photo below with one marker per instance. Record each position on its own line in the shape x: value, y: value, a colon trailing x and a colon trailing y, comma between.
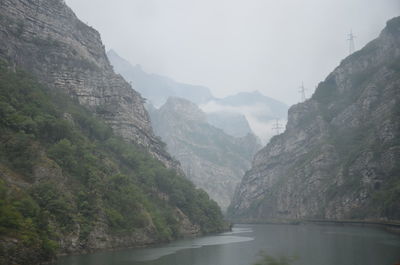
x: 255, y: 115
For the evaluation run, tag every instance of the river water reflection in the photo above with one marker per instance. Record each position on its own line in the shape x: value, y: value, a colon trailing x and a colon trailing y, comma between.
x: 311, y: 244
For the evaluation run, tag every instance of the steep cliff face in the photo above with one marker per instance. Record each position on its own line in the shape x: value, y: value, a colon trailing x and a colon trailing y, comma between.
x: 339, y: 156
x: 210, y: 158
x: 45, y: 38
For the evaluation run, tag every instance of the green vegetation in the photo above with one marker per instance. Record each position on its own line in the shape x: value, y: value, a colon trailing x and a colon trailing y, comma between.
x: 69, y: 169
x: 21, y: 217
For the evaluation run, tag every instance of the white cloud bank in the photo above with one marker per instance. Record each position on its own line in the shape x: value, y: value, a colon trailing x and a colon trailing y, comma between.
x: 263, y: 128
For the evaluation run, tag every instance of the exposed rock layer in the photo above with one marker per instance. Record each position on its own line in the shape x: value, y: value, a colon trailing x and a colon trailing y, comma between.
x: 338, y: 158
x: 44, y: 37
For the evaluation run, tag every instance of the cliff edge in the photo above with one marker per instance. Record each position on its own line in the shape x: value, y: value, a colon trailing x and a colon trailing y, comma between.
x: 338, y: 157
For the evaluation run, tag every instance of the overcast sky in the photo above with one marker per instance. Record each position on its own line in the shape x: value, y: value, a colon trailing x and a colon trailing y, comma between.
x: 237, y: 45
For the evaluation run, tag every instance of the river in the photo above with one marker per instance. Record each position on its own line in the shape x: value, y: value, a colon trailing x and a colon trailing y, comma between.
x: 309, y: 244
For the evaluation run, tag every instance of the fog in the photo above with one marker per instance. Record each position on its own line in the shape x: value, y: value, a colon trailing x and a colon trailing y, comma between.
x: 263, y: 128
x: 232, y: 46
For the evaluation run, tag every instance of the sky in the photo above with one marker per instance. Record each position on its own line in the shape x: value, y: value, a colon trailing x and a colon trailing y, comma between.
x: 237, y: 45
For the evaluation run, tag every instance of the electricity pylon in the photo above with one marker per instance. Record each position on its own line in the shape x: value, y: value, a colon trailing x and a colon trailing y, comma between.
x: 302, y: 91
x: 277, y: 127
x: 351, y: 42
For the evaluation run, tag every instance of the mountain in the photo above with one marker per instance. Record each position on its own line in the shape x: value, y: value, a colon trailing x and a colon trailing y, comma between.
x: 157, y: 88
x: 237, y: 115
x: 80, y: 166
x: 260, y: 111
x: 234, y: 124
x: 69, y: 185
x: 213, y: 160
x: 46, y: 39
x: 338, y: 158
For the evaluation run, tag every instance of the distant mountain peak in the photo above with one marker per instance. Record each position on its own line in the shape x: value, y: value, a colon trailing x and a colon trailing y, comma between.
x: 112, y: 52
x: 257, y: 93
x: 155, y: 87
x: 184, y: 108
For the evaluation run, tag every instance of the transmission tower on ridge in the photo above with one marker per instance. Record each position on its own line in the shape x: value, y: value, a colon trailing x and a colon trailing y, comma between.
x: 302, y: 91
x: 351, y: 42
x: 278, y: 127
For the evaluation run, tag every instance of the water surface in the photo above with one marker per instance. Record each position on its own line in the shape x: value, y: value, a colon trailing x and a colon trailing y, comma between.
x: 310, y: 244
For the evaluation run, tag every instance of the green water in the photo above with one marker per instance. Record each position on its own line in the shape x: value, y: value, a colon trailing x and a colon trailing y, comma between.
x: 311, y: 244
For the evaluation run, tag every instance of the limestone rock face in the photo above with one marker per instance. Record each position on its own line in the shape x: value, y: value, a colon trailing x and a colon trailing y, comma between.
x: 212, y: 159
x: 339, y: 156
x: 44, y: 37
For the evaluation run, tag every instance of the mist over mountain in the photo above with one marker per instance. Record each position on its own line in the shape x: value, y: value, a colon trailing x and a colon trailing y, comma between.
x: 98, y: 154
x: 156, y: 88
x: 237, y: 114
x: 260, y: 111
x: 231, y: 123
x: 274, y: 109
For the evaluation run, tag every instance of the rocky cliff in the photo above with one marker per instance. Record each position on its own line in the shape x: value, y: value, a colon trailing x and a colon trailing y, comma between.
x: 45, y: 38
x: 213, y: 160
x: 80, y: 168
x: 339, y: 155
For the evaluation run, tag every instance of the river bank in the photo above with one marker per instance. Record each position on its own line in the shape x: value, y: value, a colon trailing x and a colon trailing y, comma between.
x: 312, y: 243
x: 392, y: 226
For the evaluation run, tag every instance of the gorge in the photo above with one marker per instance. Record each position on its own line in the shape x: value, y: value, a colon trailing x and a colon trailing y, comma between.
x: 104, y: 163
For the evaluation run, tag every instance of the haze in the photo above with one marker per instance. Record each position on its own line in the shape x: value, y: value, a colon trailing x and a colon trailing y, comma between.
x: 232, y: 46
